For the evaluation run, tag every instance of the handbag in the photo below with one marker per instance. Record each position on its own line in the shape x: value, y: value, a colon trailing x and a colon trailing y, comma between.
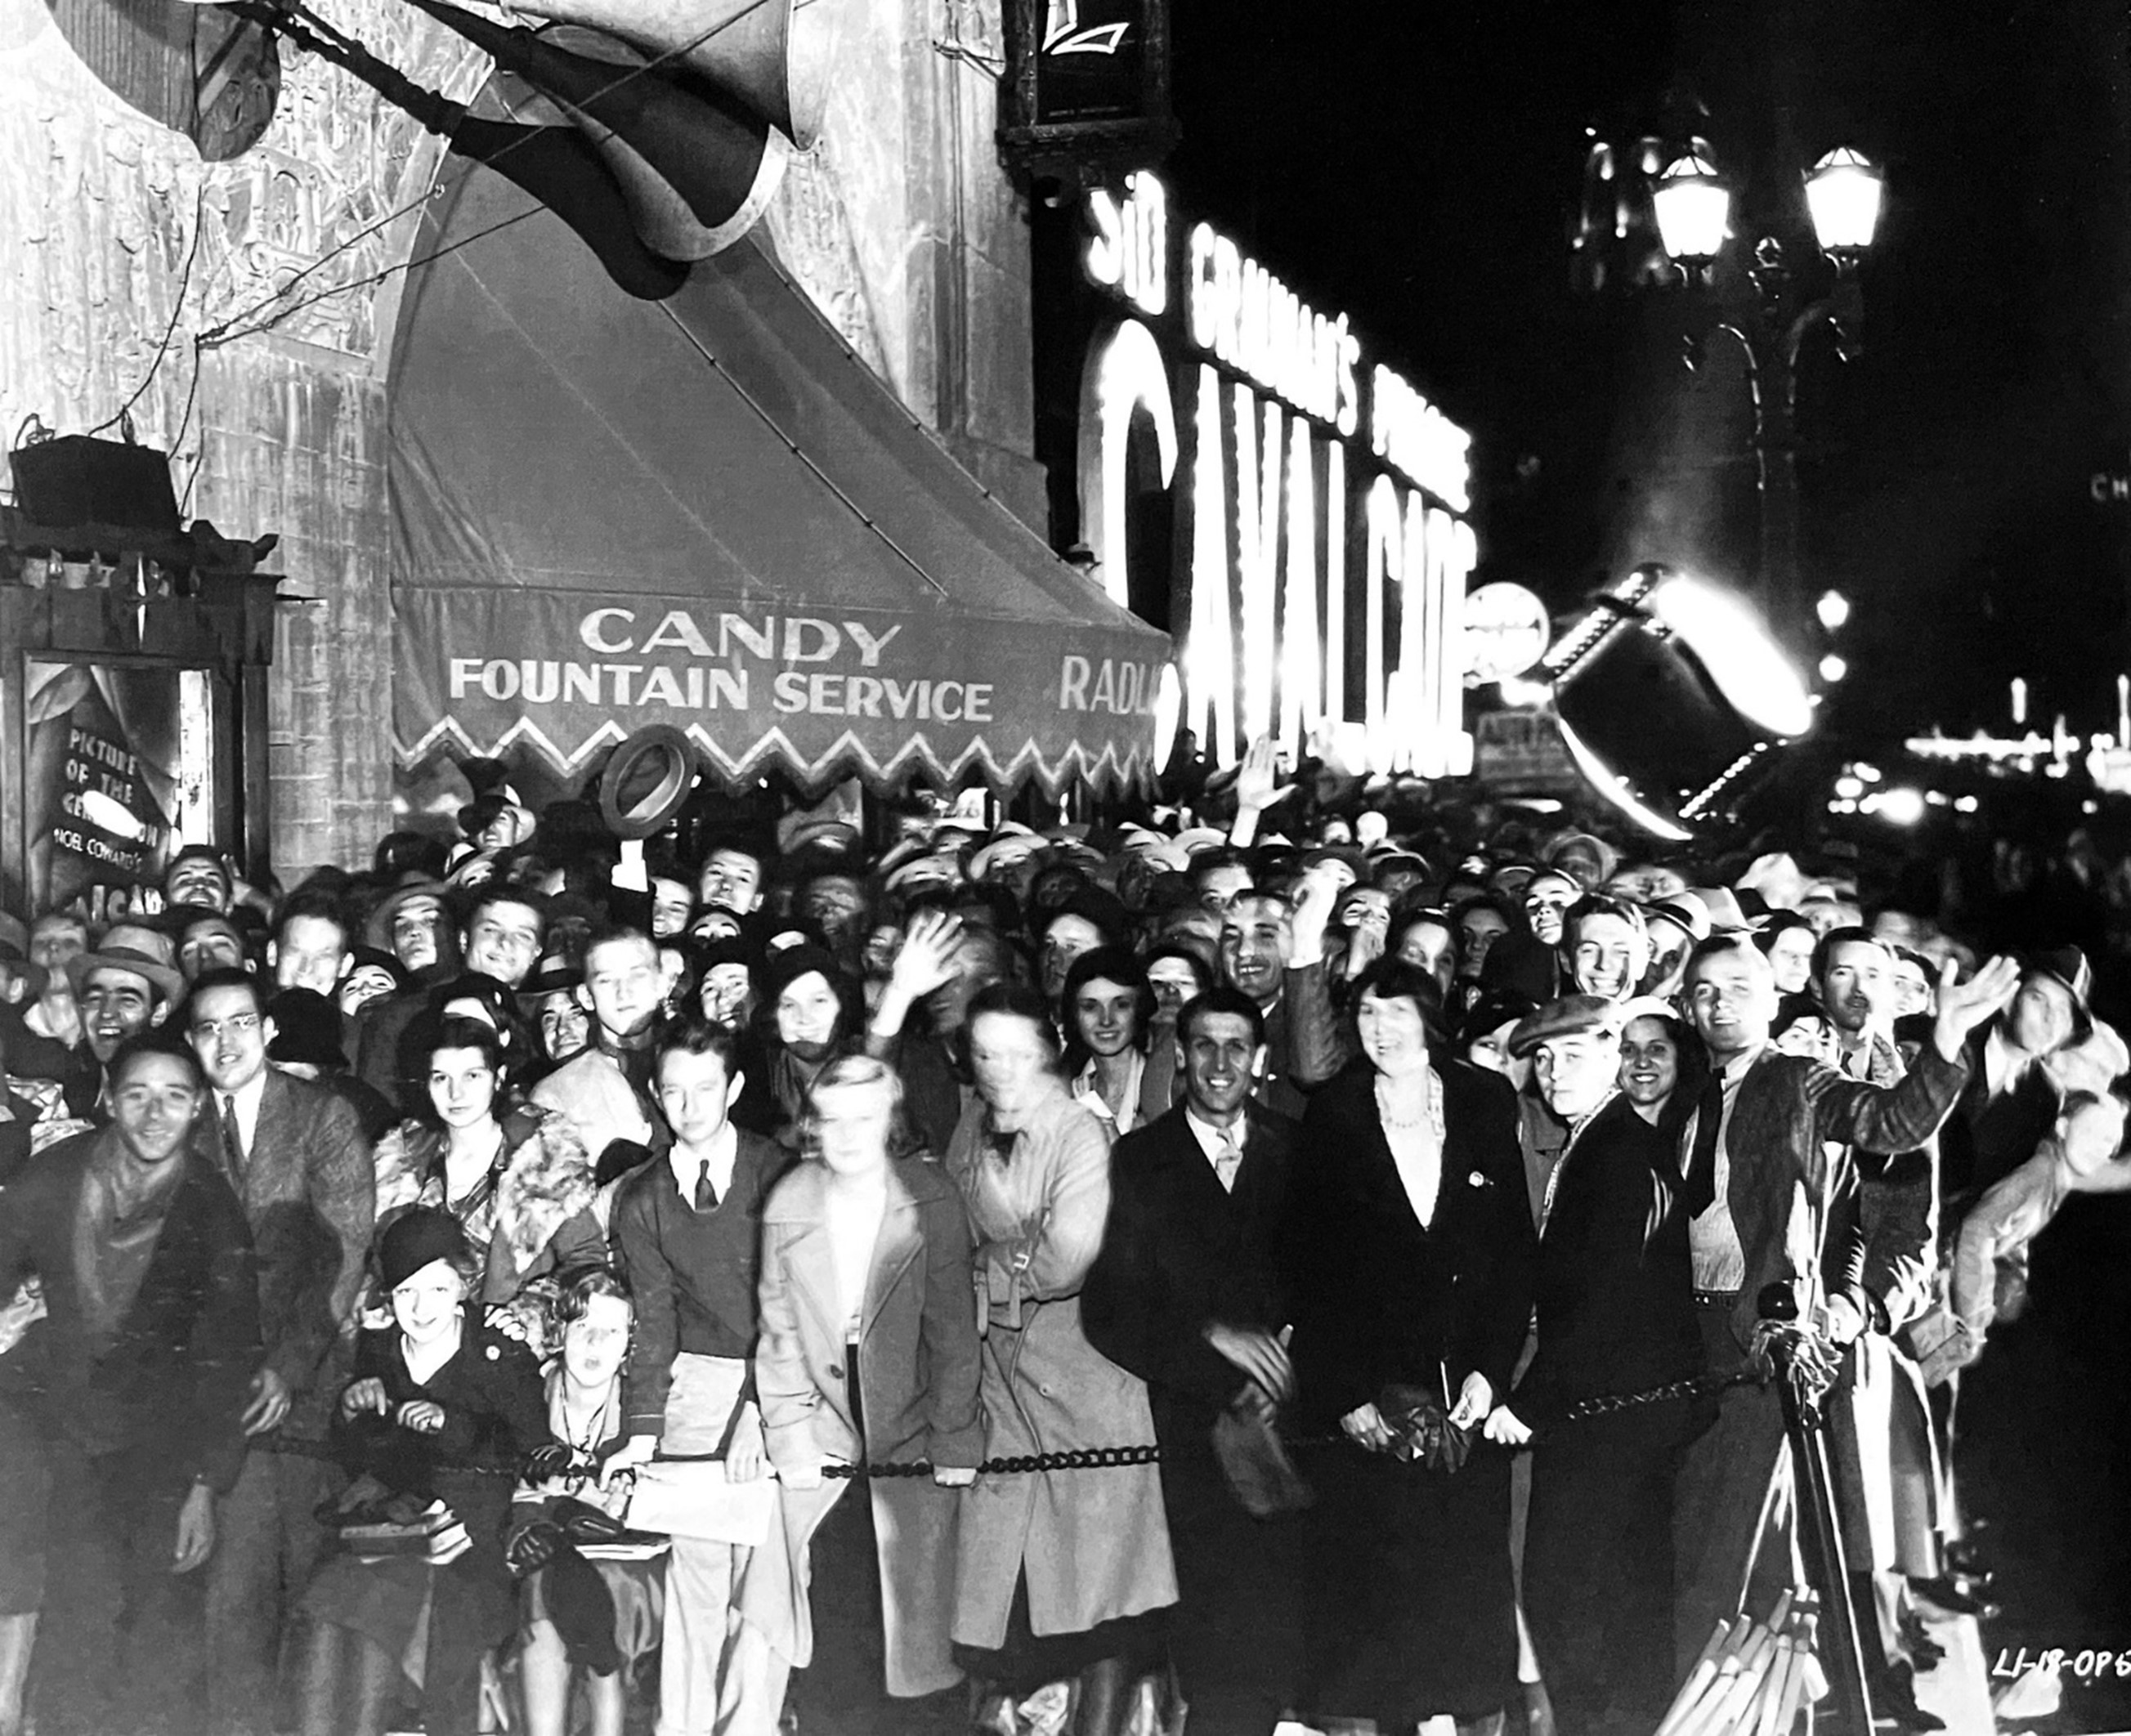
x: 1422, y: 1432
x: 1255, y: 1465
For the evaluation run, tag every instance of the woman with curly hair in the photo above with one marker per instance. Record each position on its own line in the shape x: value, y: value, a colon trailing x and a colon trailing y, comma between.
x: 518, y: 1181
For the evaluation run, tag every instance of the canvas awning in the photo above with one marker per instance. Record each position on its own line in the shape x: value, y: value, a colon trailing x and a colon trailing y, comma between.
x: 708, y: 512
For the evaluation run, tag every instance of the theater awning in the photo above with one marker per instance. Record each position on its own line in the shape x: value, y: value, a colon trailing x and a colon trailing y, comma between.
x: 706, y: 512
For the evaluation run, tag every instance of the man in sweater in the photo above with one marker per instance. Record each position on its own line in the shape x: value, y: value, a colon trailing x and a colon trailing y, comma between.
x: 687, y: 1232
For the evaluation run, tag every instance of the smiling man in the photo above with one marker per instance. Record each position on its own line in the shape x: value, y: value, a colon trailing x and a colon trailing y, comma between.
x: 198, y: 876
x: 1186, y: 1295
x: 1755, y: 1172
x: 1608, y: 946
x: 296, y: 1155
x: 1274, y: 953
x: 124, y: 985
x: 136, y: 1381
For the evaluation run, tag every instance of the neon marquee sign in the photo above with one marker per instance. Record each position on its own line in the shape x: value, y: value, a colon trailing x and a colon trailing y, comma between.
x: 1297, y: 471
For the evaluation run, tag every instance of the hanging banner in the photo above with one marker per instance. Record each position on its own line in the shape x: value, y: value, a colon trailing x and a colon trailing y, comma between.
x: 818, y: 696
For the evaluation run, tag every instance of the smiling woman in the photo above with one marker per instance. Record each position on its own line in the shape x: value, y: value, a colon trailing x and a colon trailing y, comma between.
x: 1409, y: 1245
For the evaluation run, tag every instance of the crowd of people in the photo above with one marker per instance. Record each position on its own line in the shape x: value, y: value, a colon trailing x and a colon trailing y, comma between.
x: 736, y: 1271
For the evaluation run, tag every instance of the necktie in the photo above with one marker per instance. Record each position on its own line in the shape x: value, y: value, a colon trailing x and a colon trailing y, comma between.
x: 231, y: 1137
x: 1698, y: 1185
x: 1227, y: 1161
x: 706, y: 1194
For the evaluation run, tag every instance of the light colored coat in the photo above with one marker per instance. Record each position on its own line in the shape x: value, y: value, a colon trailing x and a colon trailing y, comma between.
x: 917, y: 1382
x: 1094, y: 1544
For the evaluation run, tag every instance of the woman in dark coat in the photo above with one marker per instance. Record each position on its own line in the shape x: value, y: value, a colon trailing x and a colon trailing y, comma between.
x: 1615, y: 1307
x: 1409, y: 1255
x: 430, y: 1402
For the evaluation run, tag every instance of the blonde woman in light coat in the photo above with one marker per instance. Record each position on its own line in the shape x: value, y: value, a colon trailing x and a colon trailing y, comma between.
x: 868, y: 1353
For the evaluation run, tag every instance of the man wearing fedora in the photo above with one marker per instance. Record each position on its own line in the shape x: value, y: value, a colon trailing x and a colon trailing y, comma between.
x: 295, y: 1156
x: 124, y: 985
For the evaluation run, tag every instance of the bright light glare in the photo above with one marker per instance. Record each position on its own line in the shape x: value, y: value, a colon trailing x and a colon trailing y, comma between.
x: 1852, y: 788
x: 1602, y: 779
x: 1746, y: 663
x: 1694, y: 210
x: 1897, y: 807
x: 1965, y: 804
x: 99, y: 809
x: 1833, y: 668
x: 1168, y: 712
x: 1517, y: 692
x: 1833, y: 610
x: 1843, y: 193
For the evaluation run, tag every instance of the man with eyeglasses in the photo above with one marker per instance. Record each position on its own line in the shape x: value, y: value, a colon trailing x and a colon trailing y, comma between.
x: 295, y: 1154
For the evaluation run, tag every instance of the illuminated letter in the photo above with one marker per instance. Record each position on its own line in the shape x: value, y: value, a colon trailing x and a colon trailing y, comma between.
x: 1123, y: 376
x: 1302, y: 653
x: 1105, y: 258
x: 1386, y: 566
x: 1199, y: 274
x: 1335, y: 583
x: 1210, y: 651
x: 1258, y: 543
x: 1146, y: 264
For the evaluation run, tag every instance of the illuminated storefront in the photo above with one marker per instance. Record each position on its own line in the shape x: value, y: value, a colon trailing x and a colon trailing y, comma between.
x: 1322, y: 546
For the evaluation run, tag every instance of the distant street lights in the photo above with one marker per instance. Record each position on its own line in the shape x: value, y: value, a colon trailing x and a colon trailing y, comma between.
x: 1770, y: 307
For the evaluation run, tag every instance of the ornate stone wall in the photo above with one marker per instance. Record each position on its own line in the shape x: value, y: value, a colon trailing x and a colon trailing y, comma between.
x: 266, y: 285
x: 269, y: 287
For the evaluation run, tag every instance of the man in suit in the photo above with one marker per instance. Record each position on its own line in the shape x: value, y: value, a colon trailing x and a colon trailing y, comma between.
x: 296, y: 1158
x: 1757, y: 1180
x: 1184, y: 1294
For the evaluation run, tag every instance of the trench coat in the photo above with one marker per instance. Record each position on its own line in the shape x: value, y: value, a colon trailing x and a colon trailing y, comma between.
x: 1093, y: 1544
x: 917, y: 1385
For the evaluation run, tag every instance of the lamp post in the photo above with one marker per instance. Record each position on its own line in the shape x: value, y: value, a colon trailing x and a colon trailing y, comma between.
x: 1770, y: 315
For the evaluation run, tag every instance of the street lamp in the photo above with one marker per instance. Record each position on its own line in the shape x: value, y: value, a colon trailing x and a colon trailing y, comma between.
x: 1770, y: 308
x: 1694, y: 210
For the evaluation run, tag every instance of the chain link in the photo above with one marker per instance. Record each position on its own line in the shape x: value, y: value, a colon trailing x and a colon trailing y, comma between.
x: 1078, y: 1458
x: 1606, y: 1404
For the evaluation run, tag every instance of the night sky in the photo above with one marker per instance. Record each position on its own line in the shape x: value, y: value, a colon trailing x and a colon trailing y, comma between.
x: 1420, y: 165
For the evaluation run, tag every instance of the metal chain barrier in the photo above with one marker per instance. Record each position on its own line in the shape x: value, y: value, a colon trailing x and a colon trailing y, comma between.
x: 1082, y: 1458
